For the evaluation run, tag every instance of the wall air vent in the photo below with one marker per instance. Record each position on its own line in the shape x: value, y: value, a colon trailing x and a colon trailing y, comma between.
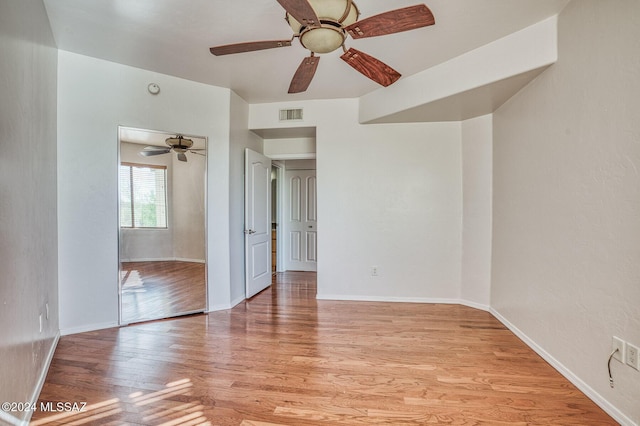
x: 291, y: 114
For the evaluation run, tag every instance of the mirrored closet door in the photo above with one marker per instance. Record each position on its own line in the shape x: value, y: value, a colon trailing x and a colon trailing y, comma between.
x: 162, y: 248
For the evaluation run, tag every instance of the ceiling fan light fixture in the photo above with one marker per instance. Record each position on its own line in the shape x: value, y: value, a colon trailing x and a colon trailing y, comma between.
x: 179, y: 143
x: 322, y: 26
x: 323, y: 39
x: 327, y: 35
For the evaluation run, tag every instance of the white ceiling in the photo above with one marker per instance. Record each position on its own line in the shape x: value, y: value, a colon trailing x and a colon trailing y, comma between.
x: 173, y: 37
x: 153, y: 137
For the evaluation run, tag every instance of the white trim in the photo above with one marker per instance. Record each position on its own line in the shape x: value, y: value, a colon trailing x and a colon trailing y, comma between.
x: 301, y: 156
x: 362, y: 298
x: 226, y: 307
x: 221, y: 307
x: 467, y: 303
x: 12, y: 420
x: 163, y: 259
x: 90, y: 327
x: 475, y: 305
x: 43, y: 375
x: 568, y: 374
x: 180, y: 259
x: 237, y: 301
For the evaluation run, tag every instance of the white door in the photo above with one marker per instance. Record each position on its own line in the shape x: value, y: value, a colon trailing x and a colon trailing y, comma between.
x: 300, y: 227
x: 257, y: 222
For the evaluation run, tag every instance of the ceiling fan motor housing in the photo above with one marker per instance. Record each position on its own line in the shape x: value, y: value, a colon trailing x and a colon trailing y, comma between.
x: 328, y: 34
x: 179, y: 143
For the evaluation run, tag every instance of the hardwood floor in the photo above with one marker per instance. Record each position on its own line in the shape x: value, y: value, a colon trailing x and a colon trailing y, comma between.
x: 285, y: 358
x: 153, y: 290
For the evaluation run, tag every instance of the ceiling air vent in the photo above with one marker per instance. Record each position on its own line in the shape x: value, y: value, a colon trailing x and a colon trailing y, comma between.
x: 291, y: 114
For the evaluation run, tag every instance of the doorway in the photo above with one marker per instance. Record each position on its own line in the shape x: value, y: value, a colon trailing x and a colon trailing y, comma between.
x: 162, y: 224
x: 296, y: 213
x: 300, y: 221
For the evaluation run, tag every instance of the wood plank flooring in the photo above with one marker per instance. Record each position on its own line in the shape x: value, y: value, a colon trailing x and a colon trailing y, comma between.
x: 285, y: 358
x: 153, y: 290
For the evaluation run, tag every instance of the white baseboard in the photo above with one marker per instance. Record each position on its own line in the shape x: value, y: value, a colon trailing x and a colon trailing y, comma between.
x: 14, y: 421
x: 475, y: 305
x: 43, y: 374
x: 182, y: 259
x: 360, y: 298
x: 237, y: 301
x: 216, y: 308
x: 11, y: 420
x: 89, y: 327
x: 149, y: 259
x: 568, y: 374
x: 164, y: 259
x: 226, y: 307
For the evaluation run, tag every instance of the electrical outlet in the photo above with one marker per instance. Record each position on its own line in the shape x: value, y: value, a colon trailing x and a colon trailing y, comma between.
x: 374, y: 271
x: 618, y: 343
x: 631, y: 355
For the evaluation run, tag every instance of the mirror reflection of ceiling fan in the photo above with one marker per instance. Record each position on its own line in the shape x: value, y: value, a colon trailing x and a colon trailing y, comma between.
x: 178, y: 144
x: 322, y: 27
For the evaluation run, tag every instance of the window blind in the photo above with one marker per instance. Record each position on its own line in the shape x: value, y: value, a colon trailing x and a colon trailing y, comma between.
x: 143, y: 196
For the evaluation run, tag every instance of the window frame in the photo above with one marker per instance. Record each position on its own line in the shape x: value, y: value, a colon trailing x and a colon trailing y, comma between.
x: 131, y: 165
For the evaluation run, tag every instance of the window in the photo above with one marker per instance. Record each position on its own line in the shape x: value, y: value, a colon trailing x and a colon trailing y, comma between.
x: 143, y: 196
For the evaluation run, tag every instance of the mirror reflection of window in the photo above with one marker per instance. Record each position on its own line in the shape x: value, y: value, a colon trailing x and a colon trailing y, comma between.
x: 143, y: 196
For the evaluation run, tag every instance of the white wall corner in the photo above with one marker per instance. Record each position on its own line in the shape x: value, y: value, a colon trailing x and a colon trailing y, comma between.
x: 477, y: 181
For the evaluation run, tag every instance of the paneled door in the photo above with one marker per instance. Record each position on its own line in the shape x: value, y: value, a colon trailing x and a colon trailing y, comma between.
x: 257, y: 222
x: 300, y: 227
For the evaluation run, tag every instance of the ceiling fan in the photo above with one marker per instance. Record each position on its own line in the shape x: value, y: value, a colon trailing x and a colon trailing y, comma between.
x: 322, y: 27
x: 178, y: 144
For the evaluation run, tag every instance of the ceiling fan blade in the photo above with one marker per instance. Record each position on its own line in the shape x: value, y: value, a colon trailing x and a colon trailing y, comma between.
x: 250, y: 46
x: 394, y: 21
x: 301, y: 10
x: 182, y: 156
x: 154, y: 150
x: 303, y: 76
x: 197, y: 153
x: 371, y: 67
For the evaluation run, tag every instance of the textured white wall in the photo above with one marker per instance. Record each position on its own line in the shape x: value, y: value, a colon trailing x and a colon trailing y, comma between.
x: 240, y: 138
x: 94, y: 97
x: 388, y: 196
x: 566, y: 229
x: 477, y: 140
x: 188, y: 208
x: 28, y: 232
x: 287, y: 147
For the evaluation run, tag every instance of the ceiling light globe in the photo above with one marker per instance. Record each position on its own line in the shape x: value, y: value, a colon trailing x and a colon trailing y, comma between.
x: 322, y: 39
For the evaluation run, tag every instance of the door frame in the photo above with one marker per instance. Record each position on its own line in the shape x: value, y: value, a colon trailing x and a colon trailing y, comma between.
x: 280, y: 166
x: 279, y: 162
